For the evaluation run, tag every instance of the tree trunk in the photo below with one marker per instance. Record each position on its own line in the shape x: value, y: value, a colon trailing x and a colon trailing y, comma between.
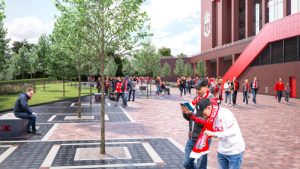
x: 147, y: 87
x: 79, y: 92
x: 64, y: 87
x: 102, y: 60
x: 44, y: 80
x: 90, y: 86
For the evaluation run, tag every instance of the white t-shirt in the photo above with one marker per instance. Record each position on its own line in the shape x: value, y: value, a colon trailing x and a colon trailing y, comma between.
x: 228, y: 131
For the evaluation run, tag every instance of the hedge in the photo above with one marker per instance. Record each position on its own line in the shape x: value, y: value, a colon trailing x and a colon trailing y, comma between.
x: 17, y: 86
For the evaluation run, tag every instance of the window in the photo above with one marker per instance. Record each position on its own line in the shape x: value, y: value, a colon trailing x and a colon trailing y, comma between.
x: 275, y: 9
x: 257, y: 18
x: 295, y: 6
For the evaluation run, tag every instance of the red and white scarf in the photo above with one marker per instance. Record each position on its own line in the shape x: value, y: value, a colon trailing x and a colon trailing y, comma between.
x: 202, y: 147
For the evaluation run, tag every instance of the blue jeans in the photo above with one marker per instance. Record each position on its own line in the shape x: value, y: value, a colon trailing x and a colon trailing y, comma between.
x: 279, y: 95
x: 157, y: 89
x: 189, y: 163
x: 30, y: 117
x: 230, y: 161
x: 245, y: 97
x: 254, y: 91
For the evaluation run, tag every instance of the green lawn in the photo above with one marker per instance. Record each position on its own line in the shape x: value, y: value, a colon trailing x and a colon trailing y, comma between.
x: 53, y: 92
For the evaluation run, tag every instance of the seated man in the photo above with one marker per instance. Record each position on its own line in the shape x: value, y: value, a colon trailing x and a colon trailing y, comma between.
x: 23, y: 111
x: 163, y: 87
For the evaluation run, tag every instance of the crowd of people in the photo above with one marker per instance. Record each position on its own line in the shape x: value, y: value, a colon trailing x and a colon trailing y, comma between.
x: 208, y: 119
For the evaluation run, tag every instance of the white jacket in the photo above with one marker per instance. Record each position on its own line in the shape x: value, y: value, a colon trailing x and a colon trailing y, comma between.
x: 228, y: 131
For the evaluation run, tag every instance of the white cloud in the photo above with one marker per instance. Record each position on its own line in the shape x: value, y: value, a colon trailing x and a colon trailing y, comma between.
x: 175, y: 24
x: 29, y: 28
x: 187, y: 42
x: 165, y: 12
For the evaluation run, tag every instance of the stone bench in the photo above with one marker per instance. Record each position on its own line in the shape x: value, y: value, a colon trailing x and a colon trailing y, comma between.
x: 12, y: 126
x: 142, y: 89
x: 98, y: 97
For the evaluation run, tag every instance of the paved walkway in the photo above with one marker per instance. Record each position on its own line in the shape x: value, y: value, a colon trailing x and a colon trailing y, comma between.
x: 270, y: 129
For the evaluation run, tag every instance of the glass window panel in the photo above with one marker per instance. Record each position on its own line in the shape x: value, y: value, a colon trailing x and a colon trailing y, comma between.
x: 279, y: 10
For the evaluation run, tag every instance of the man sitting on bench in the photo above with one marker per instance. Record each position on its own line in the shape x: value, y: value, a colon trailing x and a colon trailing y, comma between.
x: 164, y: 88
x: 23, y: 111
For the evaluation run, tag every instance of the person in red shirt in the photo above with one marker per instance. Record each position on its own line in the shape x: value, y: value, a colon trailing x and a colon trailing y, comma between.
x: 119, y: 91
x: 278, y: 88
x: 235, y: 86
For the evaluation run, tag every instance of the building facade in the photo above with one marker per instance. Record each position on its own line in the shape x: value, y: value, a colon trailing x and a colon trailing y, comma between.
x: 251, y: 38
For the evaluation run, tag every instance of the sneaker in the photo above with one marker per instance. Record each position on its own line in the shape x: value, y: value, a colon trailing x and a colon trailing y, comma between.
x: 226, y: 104
x: 230, y: 105
x: 28, y: 131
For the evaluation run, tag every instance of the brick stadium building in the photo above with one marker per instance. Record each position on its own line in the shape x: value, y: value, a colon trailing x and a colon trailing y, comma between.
x: 247, y: 38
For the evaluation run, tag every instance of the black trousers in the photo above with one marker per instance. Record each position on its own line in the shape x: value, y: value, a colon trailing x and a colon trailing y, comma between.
x: 133, y: 95
x: 234, y: 97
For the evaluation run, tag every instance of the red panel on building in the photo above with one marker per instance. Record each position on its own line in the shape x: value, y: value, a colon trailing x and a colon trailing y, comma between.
x: 281, y: 29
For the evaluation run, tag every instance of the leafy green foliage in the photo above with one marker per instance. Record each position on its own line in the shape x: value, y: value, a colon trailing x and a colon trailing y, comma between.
x: 188, y: 71
x: 200, y: 69
x: 111, y: 68
x: 164, y: 51
x: 147, y: 61
x: 179, y: 67
x: 166, y: 70
x: 3, y: 41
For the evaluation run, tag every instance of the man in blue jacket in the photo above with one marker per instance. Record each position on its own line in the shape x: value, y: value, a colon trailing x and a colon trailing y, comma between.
x: 23, y: 111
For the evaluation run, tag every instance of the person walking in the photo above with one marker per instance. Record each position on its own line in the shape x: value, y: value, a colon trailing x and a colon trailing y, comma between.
x: 157, y: 84
x: 228, y: 90
x: 23, y: 111
x: 236, y: 86
x: 133, y: 88
x: 287, y: 92
x: 182, y: 86
x: 254, y: 89
x: 246, y: 90
x: 278, y: 88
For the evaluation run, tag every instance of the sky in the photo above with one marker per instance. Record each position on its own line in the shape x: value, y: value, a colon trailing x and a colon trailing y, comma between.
x: 174, y: 23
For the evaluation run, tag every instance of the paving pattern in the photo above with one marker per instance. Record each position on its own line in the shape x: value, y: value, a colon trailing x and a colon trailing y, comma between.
x: 270, y: 129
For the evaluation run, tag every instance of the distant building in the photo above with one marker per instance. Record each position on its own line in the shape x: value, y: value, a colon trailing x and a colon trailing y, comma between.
x: 247, y: 38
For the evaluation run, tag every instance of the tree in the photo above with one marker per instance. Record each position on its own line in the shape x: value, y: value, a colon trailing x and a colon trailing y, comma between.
x: 164, y: 51
x: 179, y: 67
x: 42, y: 54
x: 59, y: 64
x: 128, y: 68
x: 3, y: 41
x: 166, y: 70
x: 181, y: 55
x: 19, y: 44
x: 147, y: 61
x: 200, y: 69
x: 188, y: 71
x: 109, y: 26
x: 20, y: 62
x: 111, y: 68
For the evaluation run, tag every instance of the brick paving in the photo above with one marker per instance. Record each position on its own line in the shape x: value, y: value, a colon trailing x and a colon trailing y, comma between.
x: 270, y: 129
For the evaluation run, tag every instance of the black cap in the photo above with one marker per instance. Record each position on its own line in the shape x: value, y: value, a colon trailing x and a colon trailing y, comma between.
x: 202, y: 83
x: 202, y: 104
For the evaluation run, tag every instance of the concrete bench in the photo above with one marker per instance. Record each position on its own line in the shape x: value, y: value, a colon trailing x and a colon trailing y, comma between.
x: 12, y: 126
x: 142, y: 89
x: 98, y: 97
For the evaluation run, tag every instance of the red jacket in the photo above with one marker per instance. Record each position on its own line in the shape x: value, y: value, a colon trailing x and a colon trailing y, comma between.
x: 119, y: 87
x: 279, y: 86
